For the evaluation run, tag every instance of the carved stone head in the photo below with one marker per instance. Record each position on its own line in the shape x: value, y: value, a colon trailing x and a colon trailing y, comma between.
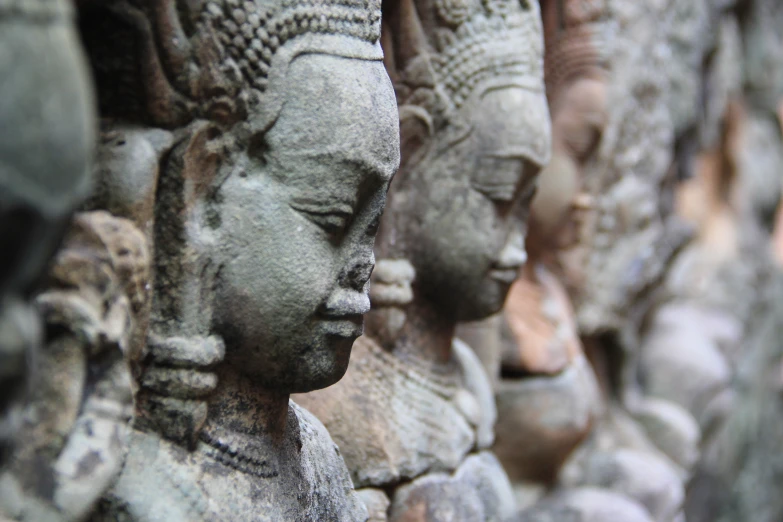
x: 578, y: 36
x: 267, y: 206
x: 475, y: 133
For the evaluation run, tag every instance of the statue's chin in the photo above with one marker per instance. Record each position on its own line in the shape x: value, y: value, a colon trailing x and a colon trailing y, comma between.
x: 487, y: 301
x: 322, y: 367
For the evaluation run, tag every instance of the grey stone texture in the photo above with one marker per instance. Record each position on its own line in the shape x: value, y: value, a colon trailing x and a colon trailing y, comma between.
x: 252, y: 143
x: 75, y: 427
x: 196, y: 342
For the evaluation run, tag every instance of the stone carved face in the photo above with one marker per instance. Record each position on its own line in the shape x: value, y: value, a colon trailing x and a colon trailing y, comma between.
x: 467, y: 241
x: 475, y: 132
x: 562, y: 203
x: 298, y: 215
x: 578, y: 38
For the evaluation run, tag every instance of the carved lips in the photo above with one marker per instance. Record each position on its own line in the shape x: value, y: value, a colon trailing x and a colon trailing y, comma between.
x: 348, y: 327
x: 504, y: 275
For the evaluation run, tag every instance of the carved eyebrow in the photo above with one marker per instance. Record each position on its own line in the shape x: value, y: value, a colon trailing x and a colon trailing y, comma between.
x: 359, y: 161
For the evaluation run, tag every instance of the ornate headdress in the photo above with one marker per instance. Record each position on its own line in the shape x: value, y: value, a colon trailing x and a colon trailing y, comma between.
x: 457, y: 47
x: 216, y: 58
x: 252, y: 33
x: 579, y: 36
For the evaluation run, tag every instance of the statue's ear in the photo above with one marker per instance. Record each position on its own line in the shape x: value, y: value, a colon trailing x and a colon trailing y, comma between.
x: 416, y: 132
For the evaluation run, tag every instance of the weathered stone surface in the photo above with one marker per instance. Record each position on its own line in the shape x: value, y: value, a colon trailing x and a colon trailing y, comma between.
x: 377, y: 503
x: 159, y: 481
x: 250, y: 144
x: 396, y: 420
x: 72, y: 441
x: 486, y: 339
x: 627, y: 241
x: 579, y: 38
x: 474, y: 129
x: 539, y: 315
x: 641, y: 476
x: 479, y: 398
x: 681, y: 363
x: 672, y: 429
x: 527, y: 494
x: 253, y: 143
x: 46, y: 142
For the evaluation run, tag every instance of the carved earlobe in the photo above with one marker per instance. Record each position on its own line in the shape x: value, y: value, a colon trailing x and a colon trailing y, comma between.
x: 390, y: 293
x: 416, y: 131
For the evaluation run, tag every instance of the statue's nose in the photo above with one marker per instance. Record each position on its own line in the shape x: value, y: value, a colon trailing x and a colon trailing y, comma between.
x: 513, y: 254
x: 345, y: 302
x: 351, y: 295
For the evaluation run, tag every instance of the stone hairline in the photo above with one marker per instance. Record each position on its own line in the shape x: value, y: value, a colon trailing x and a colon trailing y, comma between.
x: 252, y: 35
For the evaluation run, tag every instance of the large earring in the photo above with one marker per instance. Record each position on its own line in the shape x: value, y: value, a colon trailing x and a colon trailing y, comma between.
x: 390, y: 293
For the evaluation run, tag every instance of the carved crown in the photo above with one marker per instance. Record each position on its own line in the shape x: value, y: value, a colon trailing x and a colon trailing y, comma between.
x: 251, y: 32
x: 579, y: 36
x: 166, y: 62
x: 481, y: 39
x: 445, y: 50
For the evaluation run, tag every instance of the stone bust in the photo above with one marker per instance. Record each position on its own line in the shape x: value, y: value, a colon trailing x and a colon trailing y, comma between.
x: 546, y: 392
x: 415, y: 411
x: 284, y: 138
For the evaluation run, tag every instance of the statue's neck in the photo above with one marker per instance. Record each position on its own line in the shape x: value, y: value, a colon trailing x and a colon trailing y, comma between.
x: 241, y: 406
x: 427, y: 334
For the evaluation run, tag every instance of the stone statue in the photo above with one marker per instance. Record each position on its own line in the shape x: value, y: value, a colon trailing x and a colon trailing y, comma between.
x: 414, y: 415
x: 714, y: 318
x: 603, y: 228
x: 45, y: 147
x: 547, y: 394
x: 255, y: 141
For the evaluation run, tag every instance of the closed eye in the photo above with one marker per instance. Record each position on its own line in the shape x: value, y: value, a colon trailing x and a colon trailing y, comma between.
x: 497, y: 193
x: 333, y: 219
x: 331, y: 223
